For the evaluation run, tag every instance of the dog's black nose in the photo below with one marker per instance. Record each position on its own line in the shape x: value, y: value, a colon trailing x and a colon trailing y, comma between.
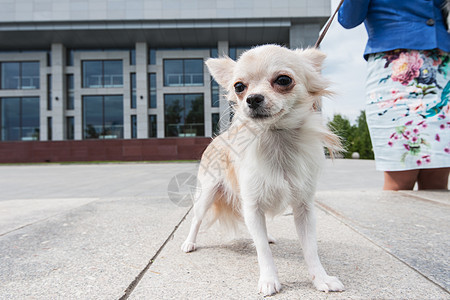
x: 255, y: 100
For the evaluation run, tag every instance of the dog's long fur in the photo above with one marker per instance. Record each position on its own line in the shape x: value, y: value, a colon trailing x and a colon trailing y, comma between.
x: 270, y: 156
x: 446, y: 11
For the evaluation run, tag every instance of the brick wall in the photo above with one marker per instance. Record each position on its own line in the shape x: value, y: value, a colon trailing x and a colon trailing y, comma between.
x: 104, y: 150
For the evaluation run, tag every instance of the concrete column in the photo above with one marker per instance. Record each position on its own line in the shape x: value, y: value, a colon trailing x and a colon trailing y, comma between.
x: 222, y: 50
x: 44, y: 113
x: 303, y: 35
x: 142, y: 90
x: 58, y: 55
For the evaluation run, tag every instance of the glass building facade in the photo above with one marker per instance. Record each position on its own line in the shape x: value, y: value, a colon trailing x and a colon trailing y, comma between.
x: 103, y: 95
x: 132, y: 76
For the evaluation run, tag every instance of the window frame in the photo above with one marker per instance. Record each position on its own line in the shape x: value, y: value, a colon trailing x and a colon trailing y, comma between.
x: 104, y: 116
x: 183, y: 72
x: 185, y: 116
x: 102, y: 85
x: 20, y: 75
x: 21, y: 126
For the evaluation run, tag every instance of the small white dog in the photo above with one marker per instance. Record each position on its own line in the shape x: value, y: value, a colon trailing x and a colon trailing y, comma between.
x: 270, y: 156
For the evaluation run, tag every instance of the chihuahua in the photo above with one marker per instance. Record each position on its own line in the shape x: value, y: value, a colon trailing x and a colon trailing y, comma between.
x: 270, y: 156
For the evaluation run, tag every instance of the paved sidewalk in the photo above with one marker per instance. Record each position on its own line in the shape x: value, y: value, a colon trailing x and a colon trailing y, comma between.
x: 93, y: 231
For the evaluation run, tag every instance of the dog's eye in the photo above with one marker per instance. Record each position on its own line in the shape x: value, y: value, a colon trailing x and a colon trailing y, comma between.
x: 239, y: 87
x: 283, y: 80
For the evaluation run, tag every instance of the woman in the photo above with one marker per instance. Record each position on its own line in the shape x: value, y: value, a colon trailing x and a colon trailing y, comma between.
x: 408, y: 88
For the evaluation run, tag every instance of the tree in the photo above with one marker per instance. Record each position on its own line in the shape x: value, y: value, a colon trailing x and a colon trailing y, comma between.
x: 361, y: 140
x: 341, y: 126
x: 354, y: 138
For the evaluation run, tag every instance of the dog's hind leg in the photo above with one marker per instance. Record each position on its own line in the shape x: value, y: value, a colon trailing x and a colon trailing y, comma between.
x: 305, y: 223
x: 256, y: 223
x: 201, y: 206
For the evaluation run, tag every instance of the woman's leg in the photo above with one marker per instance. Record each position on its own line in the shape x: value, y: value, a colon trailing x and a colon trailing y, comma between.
x: 400, y: 180
x: 433, y: 179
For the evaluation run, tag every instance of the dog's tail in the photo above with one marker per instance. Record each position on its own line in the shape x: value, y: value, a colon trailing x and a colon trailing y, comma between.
x: 225, y: 211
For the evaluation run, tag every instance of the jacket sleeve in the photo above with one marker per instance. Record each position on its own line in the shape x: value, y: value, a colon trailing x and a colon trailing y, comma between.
x: 353, y: 12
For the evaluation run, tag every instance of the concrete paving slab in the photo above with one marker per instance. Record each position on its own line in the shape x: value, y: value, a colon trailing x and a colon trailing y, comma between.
x: 92, y: 252
x: 24, y: 212
x: 88, y: 180
x: 227, y: 269
x: 91, y: 228
x: 96, y: 226
x: 436, y: 196
x: 350, y: 174
x: 413, y: 229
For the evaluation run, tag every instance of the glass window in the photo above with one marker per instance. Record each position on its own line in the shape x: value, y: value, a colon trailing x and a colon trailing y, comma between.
x: 232, y: 53
x: 30, y: 75
x: 49, y: 92
x: 173, y: 72
x: 19, y: 75
x: 152, y: 56
x: 113, y: 74
x: 69, y: 57
x: 92, y: 74
x: 152, y: 126
x: 103, y: 117
x: 152, y: 84
x: 92, y: 116
x: 184, y: 115
x: 49, y: 128
x: 10, y: 108
x: 133, y: 90
x: 133, y: 127
x: 70, y: 128
x: 102, y: 73
x: 215, y: 118
x: 30, y: 118
x: 215, y: 97
x: 113, y: 117
x: 49, y: 59
x: 193, y: 72
x: 70, y: 92
x: 214, y: 53
x: 183, y: 72
x: 10, y: 76
x: 173, y: 114
x: 20, y: 119
x: 132, y: 57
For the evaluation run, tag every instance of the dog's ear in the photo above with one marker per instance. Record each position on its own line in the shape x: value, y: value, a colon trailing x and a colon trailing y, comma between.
x: 222, y: 70
x: 316, y: 84
x: 314, y: 56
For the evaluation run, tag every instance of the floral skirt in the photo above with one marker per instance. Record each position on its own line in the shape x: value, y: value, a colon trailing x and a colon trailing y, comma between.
x: 408, y: 110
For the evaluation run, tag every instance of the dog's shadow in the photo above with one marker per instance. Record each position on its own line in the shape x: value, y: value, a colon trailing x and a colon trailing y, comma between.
x: 284, y: 248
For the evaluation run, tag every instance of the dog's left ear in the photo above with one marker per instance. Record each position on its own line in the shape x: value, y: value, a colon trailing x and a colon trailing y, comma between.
x: 316, y: 84
x: 222, y: 70
x: 314, y: 56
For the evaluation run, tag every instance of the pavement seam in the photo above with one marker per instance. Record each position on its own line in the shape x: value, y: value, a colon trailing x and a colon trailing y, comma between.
x: 422, y: 198
x: 141, y: 274
x: 328, y: 210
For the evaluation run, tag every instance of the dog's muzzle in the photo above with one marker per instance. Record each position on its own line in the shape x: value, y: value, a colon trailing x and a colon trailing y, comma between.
x: 257, y: 108
x: 255, y: 100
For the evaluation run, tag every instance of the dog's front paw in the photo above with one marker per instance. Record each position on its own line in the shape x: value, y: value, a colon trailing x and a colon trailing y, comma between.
x: 269, y: 285
x: 328, y: 284
x: 188, y: 247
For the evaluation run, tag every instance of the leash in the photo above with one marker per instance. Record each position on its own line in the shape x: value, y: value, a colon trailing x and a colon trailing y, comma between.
x: 325, y: 30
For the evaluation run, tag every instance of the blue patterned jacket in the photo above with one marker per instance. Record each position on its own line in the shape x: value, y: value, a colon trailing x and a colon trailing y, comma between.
x: 398, y: 24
